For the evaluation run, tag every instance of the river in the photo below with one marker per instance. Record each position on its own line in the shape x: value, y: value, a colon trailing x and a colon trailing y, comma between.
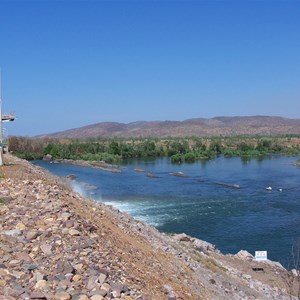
x: 206, y: 203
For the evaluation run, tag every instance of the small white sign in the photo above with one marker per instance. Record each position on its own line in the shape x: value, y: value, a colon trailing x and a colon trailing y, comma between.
x: 261, y: 255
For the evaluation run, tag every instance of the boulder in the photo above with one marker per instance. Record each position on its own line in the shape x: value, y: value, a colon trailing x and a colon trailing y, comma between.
x: 203, y: 245
x: 245, y: 255
x: 182, y: 237
x: 48, y: 157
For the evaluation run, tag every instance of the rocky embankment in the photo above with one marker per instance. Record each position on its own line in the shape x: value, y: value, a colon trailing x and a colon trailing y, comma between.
x: 54, y: 244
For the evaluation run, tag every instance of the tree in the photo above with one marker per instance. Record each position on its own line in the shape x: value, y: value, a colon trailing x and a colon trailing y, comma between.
x: 264, y: 145
x: 177, y: 158
x: 114, y: 148
x: 148, y: 149
x: 216, y: 147
x: 190, y: 157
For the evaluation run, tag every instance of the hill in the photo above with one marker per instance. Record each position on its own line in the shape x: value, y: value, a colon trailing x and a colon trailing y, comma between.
x: 252, y: 125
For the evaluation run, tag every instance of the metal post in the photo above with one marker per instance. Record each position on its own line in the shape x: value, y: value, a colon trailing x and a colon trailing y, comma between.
x: 1, y: 146
x: 1, y: 137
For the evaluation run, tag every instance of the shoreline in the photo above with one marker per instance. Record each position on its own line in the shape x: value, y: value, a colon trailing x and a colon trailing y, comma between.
x: 68, y: 245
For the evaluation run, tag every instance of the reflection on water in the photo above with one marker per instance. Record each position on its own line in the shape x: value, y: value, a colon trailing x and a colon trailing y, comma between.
x: 250, y: 217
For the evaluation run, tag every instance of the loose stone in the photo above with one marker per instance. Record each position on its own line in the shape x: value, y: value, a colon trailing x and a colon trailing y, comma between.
x: 97, y: 297
x: 62, y: 296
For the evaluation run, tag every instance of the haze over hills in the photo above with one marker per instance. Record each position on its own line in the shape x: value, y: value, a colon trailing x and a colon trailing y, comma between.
x: 250, y: 125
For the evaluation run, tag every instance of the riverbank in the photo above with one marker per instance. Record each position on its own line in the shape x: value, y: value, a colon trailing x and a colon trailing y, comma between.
x: 55, y: 244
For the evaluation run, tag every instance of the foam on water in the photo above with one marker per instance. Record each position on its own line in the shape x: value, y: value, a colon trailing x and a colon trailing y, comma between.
x: 156, y: 221
x: 86, y: 190
x: 77, y: 188
x: 143, y: 211
x: 122, y: 206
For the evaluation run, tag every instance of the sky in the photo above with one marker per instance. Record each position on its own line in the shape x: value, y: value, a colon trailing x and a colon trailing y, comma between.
x: 67, y: 64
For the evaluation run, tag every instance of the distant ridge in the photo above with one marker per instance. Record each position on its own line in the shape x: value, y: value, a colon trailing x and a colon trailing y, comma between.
x: 226, y: 126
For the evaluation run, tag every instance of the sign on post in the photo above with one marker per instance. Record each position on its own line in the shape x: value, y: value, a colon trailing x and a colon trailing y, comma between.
x: 261, y: 255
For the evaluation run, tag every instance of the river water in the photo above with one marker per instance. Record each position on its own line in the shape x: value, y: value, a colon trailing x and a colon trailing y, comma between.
x: 204, y: 204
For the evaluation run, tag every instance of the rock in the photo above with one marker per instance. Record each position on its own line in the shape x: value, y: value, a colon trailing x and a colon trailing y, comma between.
x: 13, y: 232
x: 3, y: 283
x: 62, y: 296
x: 169, y: 291
x: 39, y: 276
x: 102, y: 278
x: 65, y: 216
x: 20, y: 226
x: 94, y: 235
x: 65, y: 267
x: 78, y: 267
x: 37, y: 295
x: 14, y: 262
x: 47, y: 249
x: 172, y: 296
x: 76, y: 277
x: 74, y: 232
x: 69, y: 223
x: 97, y: 297
x: 14, y: 290
x: 31, y: 235
x: 83, y: 297
x: 295, y: 272
x: 93, y: 283
x: 47, y: 157
x: 41, y: 284
x: 65, y: 231
x: 203, y: 245
x: 101, y: 292
x: 167, y: 288
x: 106, y: 287
x: 182, y: 237
x: 23, y: 256
x: 245, y: 255
x: 49, y: 221
x: 117, y: 289
x: 247, y: 277
x: 31, y: 267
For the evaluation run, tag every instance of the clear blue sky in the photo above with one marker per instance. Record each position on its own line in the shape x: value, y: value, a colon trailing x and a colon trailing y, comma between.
x: 66, y: 64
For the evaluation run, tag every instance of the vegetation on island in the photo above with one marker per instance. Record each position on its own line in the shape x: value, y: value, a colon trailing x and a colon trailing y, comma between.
x: 114, y: 150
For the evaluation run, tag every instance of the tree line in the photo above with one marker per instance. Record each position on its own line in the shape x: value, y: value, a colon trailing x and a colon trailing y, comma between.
x: 114, y: 150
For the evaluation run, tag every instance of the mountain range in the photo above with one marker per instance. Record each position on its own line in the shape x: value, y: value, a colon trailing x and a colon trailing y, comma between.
x: 226, y: 126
